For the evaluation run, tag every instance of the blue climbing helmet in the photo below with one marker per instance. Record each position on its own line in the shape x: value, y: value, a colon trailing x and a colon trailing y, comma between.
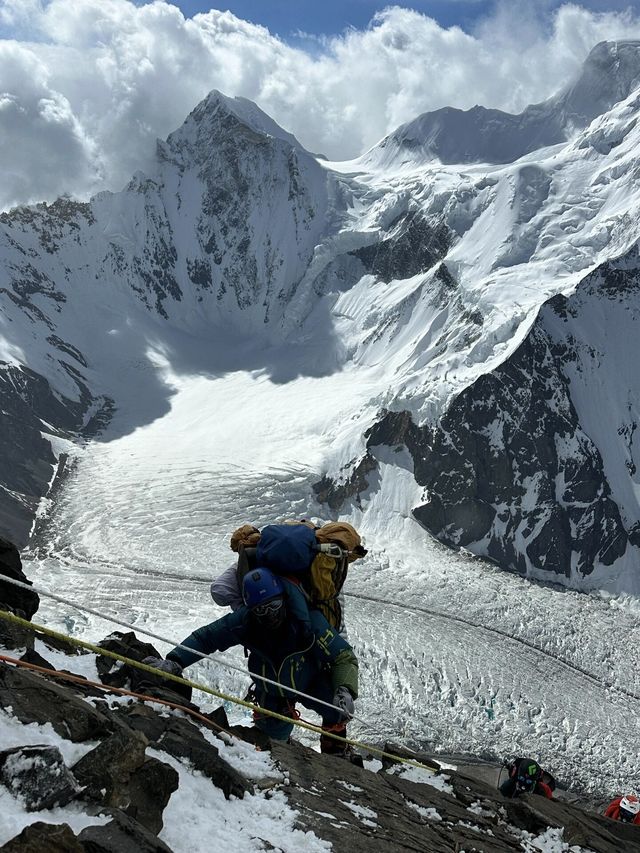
x: 263, y: 593
x: 260, y: 586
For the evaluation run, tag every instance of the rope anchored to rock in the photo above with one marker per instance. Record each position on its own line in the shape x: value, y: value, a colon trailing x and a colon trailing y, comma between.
x: 253, y: 707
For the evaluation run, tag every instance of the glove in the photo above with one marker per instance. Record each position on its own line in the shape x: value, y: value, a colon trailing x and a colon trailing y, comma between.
x: 170, y: 666
x: 343, y: 700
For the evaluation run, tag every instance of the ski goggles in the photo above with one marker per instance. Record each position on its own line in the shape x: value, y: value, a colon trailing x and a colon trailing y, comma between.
x: 270, y: 608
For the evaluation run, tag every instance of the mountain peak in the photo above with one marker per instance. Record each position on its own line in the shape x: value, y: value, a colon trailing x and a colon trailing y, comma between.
x: 609, y: 74
x: 250, y: 114
x: 213, y: 117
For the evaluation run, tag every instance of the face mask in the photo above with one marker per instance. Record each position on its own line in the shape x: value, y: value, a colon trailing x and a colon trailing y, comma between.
x: 270, y: 615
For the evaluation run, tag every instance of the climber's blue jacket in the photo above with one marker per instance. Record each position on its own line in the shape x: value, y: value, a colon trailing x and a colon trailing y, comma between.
x: 304, y: 650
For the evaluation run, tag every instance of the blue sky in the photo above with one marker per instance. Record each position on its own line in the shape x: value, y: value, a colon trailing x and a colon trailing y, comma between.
x: 330, y: 17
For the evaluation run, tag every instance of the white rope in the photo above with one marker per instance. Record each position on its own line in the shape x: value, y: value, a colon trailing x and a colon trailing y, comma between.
x: 147, y: 633
x: 491, y: 629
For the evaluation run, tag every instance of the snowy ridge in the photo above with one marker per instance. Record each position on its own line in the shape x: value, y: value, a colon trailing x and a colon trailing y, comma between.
x: 610, y: 73
x: 485, y: 487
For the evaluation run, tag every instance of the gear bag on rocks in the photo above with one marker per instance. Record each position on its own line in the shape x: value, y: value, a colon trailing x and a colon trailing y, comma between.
x: 316, y: 558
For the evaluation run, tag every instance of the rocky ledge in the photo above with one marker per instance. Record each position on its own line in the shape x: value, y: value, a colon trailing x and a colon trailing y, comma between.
x: 85, y: 769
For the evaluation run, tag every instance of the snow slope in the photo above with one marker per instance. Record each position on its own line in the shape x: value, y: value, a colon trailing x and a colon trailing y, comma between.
x: 451, y: 136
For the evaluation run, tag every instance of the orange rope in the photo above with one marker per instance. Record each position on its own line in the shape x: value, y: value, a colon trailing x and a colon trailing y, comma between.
x: 109, y: 689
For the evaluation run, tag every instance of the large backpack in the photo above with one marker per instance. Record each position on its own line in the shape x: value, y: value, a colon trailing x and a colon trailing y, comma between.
x: 316, y: 558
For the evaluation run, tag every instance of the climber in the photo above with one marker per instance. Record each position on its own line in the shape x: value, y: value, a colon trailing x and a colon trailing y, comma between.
x: 625, y: 808
x: 527, y: 777
x: 316, y: 558
x: 289, y: 644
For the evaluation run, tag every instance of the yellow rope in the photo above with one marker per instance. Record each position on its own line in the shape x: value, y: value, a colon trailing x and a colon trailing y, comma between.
x: 98, y: 650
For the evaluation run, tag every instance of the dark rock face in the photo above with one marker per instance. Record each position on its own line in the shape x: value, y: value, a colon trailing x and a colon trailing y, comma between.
x: 108, y: 767
x: 32, y: 282
x: 128, y: 645
x: 118, y: 773
x: 334, y: 492
x: 33, y: 657
x: 148, y: 791
x: 185, y: 741
x: 25, y: 398
x: 123, y: 834
x: 411, y: 245
x: 510, y: 470
x: 14, y: 636
x: 141, y: 718
x: 18, y: 600
x: 40, y: 837
x: 246, y: 175
x: 364, y: 812
x: 493, y: 463
x: 38, y: 775
x: 27, y: 401
x: 34, y: 700
x: 118, y: 674
x: 13, y: 599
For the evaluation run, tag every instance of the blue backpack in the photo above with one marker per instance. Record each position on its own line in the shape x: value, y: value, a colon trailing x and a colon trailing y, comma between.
x: 318, y: 568
x: 287, y: 549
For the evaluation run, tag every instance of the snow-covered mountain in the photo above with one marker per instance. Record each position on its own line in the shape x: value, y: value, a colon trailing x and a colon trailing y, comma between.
x: 480, y: 135
x: 473, y: 279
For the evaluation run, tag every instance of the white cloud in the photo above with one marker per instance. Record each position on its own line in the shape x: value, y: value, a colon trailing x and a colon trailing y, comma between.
x: 87, y: 85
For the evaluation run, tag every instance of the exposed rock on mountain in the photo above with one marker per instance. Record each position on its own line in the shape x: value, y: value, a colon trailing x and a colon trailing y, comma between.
x: 21, y: 600
x: 38, y: 775
x: 196, y: 228
x: 510, y: 461
x: 31, y: 411
x: 411, y: 245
